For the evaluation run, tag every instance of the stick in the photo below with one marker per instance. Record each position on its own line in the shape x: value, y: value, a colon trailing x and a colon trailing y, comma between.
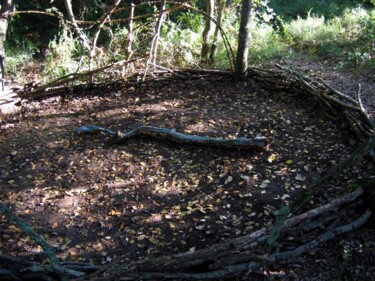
x: 259, y: 143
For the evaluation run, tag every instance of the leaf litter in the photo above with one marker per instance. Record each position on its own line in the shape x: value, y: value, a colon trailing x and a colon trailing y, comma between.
x: 96, y: 201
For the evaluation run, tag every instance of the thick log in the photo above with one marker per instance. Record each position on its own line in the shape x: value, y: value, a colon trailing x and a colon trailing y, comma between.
x: 257, y: 143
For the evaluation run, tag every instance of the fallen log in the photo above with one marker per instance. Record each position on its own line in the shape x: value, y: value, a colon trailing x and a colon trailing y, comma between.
x: 257, y: 143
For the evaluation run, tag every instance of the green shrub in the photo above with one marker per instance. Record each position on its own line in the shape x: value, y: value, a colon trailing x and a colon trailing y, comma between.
x: 179, y: 47
x: 63, y: 57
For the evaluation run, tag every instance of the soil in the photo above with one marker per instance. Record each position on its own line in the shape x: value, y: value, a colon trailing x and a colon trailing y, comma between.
x: 97, y: 201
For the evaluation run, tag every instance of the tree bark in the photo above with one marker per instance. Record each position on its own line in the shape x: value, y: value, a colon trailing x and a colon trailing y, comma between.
x: 155, y: 39
x: 258, y: 143
x: 129, y: 43
x: 243, y: 40
x: 219, y: 18
x: 206, y: 35
x: 99, y: 26
x: 6, y: 7
x: 82, y: 36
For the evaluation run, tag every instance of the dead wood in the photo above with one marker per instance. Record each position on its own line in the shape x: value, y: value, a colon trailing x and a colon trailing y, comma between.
x: 34, y: 91
x: 334, y: 101
x: 233, y: 257
x: 292, y: 236
x: 281, y: 79
x: 55, y: 266
x: 258, y: 143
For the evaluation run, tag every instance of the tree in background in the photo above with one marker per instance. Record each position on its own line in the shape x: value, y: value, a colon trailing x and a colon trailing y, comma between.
x: 243, y: 40
x: 219, y: 18
x: 207, y: 32
x: 7, y: 6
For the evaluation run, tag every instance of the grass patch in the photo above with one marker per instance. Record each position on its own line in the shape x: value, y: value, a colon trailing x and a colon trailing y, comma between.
x: 347, y: 40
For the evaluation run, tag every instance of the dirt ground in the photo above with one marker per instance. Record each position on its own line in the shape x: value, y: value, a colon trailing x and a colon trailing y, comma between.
x: 96, y: 201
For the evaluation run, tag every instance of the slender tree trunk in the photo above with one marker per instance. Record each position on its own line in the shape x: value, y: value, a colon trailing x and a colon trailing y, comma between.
x: 219, y: 19
x: 155, y: 39
x: 243, y: 40
x: 206, y: 35
x: 82, y: 36
x: 6, y: 7
x: 99, y: 26
x: 129, y: 44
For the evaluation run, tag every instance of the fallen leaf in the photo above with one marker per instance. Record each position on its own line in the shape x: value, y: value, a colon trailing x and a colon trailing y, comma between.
x: 300, y: 178
x: 264, y: 184
x: 271, y: 158
x: 228, y: 180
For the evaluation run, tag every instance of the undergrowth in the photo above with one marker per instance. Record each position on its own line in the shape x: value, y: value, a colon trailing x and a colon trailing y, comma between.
x: 347, y: 40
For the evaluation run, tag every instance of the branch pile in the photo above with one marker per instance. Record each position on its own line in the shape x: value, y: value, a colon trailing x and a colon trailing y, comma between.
x: 337, y: 103
x: 234, y: 257
x: 246, y: 254
x: 256, y: 252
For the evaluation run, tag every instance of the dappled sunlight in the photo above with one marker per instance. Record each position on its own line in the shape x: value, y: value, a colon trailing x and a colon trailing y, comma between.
x: 157, y: 152
x: 96, y: 200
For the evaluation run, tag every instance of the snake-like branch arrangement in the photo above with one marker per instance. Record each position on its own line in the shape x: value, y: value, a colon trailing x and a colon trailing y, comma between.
x: 257, y: 143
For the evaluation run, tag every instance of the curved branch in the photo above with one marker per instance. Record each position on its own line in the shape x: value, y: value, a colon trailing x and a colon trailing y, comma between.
x: 258, y: 143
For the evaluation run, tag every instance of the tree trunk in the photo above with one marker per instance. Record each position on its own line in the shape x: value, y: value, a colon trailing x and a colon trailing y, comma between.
x: 243, y: 40
x: 129, y: 43
x: 82, y: 36
x: 101, y: 21
x: 219, y: 18
x: 6, y: 7
x: 155, y: 39
x: 207, y: 31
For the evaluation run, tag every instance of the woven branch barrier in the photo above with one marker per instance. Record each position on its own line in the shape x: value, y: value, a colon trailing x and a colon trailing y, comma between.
x: 287, y: 80
x: 291, y: 235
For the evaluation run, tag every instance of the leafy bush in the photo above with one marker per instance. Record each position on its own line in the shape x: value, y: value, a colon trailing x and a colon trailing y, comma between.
x: 179, y: 47
x: 63, y: 57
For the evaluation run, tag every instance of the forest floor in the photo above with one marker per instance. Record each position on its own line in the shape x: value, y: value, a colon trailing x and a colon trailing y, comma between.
x: 97, y: 201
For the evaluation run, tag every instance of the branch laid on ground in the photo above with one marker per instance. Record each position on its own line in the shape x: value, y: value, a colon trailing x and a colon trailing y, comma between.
x: 55, y: 262
x: 232, y: 257
x: 52, y: 89
x: 259, y: 143
x: 22, y: 268
x: 289, y: 80
x: 236, y: 256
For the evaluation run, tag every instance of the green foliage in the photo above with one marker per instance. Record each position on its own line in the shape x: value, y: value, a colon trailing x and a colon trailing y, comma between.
x: 190, y: 20
x: 17, y: 64
x: 291, y: 9
x: 324, y: 29
x: 348, y: 39
x: 265, y: 14
x: 266, y: 45
x: 63, y: 57
x: 179, y: 47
